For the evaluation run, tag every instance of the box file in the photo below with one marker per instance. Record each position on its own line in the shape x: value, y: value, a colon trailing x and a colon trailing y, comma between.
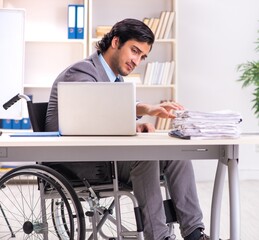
x: 16, y: 124
x: 80, y: 22
x: 71, y: 21
x: 25, y: 123
x: 75, y: 21
x: 6, y: 123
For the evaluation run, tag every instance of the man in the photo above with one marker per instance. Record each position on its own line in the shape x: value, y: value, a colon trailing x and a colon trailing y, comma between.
x: 118, y: 53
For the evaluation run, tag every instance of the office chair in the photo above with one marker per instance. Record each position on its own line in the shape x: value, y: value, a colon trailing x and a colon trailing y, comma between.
x: 68, y: 191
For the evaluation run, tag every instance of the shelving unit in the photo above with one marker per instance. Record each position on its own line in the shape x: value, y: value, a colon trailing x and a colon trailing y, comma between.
x: 48, y: 50
x: 103, y: 13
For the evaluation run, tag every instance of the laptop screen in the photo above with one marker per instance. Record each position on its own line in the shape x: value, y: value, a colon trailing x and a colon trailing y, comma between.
x: 96, y: 108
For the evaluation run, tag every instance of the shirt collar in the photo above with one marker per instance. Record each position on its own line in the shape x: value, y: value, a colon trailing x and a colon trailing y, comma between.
x: 107, y: 68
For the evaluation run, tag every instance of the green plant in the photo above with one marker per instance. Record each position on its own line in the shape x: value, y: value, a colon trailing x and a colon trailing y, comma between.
x: 250, y: 76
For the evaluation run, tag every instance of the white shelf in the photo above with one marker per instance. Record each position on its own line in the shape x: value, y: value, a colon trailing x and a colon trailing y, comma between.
x: 137, y: 86
x: 154, y: 86
x: 37, y: 86
x: 170, y: 40
x: 67, y: 41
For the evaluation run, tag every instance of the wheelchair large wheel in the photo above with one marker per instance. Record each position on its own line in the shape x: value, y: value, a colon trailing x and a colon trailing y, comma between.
x: 38, y: 203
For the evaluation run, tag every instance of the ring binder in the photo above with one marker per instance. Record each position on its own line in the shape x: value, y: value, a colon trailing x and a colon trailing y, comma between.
x: 71, y: 21
x: 80, y: 22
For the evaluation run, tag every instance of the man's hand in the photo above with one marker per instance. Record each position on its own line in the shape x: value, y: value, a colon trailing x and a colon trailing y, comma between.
x: 163, y: 110
x: 145, y: 127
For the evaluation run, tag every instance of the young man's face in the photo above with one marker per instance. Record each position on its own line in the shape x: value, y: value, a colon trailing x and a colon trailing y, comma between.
x: 126, y: 57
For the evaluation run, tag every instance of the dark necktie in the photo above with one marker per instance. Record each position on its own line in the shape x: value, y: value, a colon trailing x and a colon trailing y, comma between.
x: 117, y: 79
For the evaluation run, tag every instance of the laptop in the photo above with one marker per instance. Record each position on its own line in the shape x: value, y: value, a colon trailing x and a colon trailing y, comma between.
x: 96, y: 108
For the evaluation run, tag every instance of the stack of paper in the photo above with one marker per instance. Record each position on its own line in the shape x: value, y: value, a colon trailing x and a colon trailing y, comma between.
x: 206, y: 125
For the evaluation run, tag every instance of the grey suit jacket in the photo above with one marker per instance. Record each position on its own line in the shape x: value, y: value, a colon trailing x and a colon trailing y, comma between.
x: 87, y: 70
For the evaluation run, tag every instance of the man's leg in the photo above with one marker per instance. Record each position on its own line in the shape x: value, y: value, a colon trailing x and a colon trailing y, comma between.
x: 145, y: 179
x: 182, y: 189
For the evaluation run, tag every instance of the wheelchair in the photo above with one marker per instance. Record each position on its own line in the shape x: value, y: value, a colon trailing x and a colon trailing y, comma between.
x: 68, y: 200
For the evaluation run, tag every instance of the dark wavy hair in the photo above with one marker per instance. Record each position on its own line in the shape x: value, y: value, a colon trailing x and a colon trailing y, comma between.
x: 127, y: 29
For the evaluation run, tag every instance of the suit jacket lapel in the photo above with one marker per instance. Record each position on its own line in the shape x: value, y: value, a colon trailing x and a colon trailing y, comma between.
x: 103, y: 77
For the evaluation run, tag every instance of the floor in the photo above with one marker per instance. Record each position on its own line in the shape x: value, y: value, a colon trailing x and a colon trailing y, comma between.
x: 249, y: 193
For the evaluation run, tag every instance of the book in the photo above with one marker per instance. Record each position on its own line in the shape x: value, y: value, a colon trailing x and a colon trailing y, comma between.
x: 161, y: 73
x: 154, y: 25
x: 150, y: 22
x: 164, y: 24
x: 160, y: 122
x: 163, y: 123
x: 147, y: 74
x: 154, y: 73
x: 169, y: 25
x: 102, y: 30
x: 164, y: 80
x: 133, y: 77
x: 161, y: 19
x: 168, y: 124
x: 170, y: 73
x: 146, y: 21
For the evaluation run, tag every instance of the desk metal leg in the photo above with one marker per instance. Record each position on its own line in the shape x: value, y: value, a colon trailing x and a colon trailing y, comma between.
x: 229, y: 158
x: 117, y: 201
x: 234, y: 199
x: 216, y: 201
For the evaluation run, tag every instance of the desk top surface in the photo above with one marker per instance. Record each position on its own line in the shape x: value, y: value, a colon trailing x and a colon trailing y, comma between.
x: 141, y: 139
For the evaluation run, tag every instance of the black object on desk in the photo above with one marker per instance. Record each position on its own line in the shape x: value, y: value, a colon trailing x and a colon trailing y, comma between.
x: 178, y: 134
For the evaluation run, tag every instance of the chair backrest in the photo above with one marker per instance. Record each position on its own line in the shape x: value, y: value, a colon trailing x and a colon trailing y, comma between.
x: 37, y: 114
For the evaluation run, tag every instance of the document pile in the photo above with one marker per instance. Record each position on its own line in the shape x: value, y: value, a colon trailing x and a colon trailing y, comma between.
x: 206, y: 125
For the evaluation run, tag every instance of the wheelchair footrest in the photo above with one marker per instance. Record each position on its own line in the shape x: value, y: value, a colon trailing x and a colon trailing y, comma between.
x: 169, y: 211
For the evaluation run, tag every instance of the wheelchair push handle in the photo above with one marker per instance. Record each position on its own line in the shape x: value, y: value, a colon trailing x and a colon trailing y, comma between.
x: 14, y: 99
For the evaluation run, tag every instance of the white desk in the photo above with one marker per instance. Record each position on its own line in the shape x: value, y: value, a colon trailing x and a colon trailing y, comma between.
x: 152, y: 146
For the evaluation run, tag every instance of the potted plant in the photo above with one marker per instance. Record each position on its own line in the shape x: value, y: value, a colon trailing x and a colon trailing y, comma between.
x: 250, y: 76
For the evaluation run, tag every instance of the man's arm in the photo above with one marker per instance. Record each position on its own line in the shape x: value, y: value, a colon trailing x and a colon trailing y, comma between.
x: 163, y: 110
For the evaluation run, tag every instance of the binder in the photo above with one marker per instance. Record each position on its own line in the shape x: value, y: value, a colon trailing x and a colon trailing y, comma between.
x: 16, y: 124
x: 80, y: 21
x: 25, y: 123
x: 35, y: 134
x: 6, y: 123
x: 71, y: 18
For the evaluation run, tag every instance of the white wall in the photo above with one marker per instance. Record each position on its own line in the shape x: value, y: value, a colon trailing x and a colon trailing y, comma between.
x: 213, y: 38
x: 11, y: 59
